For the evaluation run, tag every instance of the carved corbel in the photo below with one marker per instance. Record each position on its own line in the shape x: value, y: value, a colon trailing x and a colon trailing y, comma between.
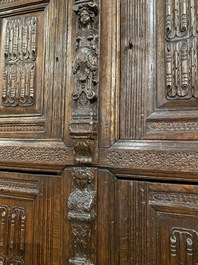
x: 82, y: 214
x: 83, y: 125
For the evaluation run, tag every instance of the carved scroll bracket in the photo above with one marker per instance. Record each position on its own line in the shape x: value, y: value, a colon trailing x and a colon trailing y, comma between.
x: 83, y: 125
x: 82, y: 213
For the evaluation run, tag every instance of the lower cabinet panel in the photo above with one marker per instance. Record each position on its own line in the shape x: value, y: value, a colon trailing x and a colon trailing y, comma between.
x: 29, y: 219
x: 157, y: 223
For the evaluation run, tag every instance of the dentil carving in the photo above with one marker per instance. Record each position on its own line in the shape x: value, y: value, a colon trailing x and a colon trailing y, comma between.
x: 12, y: 235
x: 83, y: 126
x: 81, y: 203
x: 181, y: 34
x: 19, y: 62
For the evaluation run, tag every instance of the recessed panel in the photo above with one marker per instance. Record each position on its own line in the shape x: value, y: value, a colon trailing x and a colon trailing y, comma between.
x: 21, y: 64
x: 173, y: 109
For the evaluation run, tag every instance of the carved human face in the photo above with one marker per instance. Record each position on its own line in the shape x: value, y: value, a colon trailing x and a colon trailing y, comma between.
x: 81, y: 181
x: 85, y: 17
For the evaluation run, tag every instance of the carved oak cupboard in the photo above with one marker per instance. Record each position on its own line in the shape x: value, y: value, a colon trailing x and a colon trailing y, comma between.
x: 98, y: 132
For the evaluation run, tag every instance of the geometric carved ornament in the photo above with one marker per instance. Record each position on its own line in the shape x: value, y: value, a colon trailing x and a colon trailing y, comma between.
x: 83, y: 124
x: 181, y: 49
x: 183, y: 246
x: 82, y: 213
x: 12, y: 235
x: 19, y: 62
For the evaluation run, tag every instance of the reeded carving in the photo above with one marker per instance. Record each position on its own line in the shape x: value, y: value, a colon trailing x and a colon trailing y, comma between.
x: 181, y: 34
x: 12, y: 235
x: 183, y: 246
x: 19, y: 62
x: 83, y: 126
x: 82, y: 213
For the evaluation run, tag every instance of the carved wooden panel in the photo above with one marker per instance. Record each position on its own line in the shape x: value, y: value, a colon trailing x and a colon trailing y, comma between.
x: 30, y: 105
x: 26, y: 202
x: 159, y: 82
x: 156, y: 223
x: 12, y: 234
x: 20, y: 52
x: 181, y: 49
x: 21, y: 72
x: 21, y: 64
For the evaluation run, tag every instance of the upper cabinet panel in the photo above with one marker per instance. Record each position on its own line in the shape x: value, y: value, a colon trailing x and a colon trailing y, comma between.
x: 21, y: 64
x: 31, y: 68
x: 177, y: 68
x: 159, y: 61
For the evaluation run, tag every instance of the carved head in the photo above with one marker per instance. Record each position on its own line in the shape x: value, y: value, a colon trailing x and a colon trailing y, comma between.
x: 82, y: 178
x: 85, y: 17
x: 86, y: 12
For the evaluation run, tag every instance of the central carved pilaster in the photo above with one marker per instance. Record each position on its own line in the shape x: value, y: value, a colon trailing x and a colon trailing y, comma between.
x: 83, y: 125
x: 82, y: 213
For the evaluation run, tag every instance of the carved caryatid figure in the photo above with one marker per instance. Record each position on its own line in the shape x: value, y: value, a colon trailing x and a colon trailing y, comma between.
x: 81, y: 204
x: 83, y: 125
x: 85, y: 65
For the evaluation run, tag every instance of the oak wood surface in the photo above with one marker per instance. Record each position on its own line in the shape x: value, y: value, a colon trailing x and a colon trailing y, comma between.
x: 98, y: 132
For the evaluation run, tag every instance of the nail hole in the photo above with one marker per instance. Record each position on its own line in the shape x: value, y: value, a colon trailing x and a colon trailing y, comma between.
x: 130, y: 43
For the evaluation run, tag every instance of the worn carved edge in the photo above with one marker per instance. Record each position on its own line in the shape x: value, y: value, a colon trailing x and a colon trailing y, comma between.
x: 81, y: 215
x: 187, y: 126
x: 13, y: 229
x: 19, y: 186
x: 9, y: 3
x: 167, y: 160
x: 83, y: 125
x: 50, y: 154
x: 178, y: 199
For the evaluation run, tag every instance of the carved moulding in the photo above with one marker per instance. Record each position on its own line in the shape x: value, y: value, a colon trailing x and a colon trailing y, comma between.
x: 83, y: 125
x: 82, y: 214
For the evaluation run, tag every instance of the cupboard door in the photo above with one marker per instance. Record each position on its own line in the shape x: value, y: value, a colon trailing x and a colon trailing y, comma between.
x: 157, y: 223
x: 31, y: 83
x: 29, y: 219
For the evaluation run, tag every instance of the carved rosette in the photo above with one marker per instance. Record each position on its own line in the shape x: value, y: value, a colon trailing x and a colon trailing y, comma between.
x: 82, y: 213
x: 181, y: 38
x: 83, y: 125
